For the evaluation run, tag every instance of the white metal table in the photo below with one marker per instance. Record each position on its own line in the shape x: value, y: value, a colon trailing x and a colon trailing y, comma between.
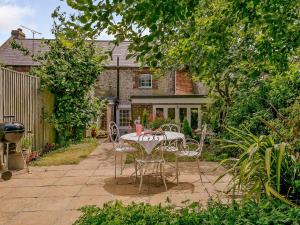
x: 133, y: 137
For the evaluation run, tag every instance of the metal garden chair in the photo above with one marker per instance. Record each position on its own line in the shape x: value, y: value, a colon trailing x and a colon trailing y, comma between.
x: 119, y: 146
x: 191, y: 148
x: 151, y: 152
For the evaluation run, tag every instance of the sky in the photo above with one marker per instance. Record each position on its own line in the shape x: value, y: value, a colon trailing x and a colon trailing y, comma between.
x: 34, y: 14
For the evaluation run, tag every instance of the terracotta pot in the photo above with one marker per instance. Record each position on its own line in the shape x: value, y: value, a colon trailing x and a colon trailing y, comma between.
x: 94, y: 133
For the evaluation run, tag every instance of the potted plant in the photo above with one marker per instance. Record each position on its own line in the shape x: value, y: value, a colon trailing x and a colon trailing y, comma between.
x: 94, y: 130
x: 17, y: 159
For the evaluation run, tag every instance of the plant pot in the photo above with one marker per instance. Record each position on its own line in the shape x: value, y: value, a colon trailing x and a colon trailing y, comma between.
x: 16, y: 161
x: 94, y: 133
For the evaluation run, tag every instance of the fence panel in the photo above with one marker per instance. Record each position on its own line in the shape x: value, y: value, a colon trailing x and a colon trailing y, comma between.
x: 22, y: 100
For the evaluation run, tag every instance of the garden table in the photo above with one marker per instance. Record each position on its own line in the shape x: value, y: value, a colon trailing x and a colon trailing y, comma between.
x: 150, y: 145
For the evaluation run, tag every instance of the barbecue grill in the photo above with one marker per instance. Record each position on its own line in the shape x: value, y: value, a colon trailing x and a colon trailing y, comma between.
x: 9, y: 133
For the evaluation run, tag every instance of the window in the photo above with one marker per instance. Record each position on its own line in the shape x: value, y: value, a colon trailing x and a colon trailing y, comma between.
x: 194, y: 118
x: 159, y: 112
x: 124, y: 117
x: 145, y: 81
x: 171, y: 113
x: 182, y: 114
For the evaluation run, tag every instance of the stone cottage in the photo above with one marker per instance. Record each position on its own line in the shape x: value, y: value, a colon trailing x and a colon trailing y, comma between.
x: 128, y: 88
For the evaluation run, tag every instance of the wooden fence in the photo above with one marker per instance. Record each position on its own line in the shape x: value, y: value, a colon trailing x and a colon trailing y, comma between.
x: 22, y: 100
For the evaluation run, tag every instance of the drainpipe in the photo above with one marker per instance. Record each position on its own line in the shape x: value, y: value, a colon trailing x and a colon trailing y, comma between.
x: 118, y: 90
x: 118, y: 78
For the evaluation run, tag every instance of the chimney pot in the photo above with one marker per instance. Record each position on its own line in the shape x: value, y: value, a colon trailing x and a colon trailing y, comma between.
x: 18, y: 34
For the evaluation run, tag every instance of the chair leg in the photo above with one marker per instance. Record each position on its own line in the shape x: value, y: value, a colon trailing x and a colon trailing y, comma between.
x: 115, y: 165
x: 121, y: 168
x: 135, y: 168
x: 198, y: 163
x: 141, y: 174
x: 162, y: 170
x: 177, y: 173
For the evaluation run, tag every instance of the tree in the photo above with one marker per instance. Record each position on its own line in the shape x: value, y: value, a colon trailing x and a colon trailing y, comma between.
x: 69, y: 70
x: 230, y: 45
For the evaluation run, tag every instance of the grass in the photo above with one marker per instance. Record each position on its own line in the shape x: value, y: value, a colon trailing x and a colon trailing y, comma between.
x: 72, y: 154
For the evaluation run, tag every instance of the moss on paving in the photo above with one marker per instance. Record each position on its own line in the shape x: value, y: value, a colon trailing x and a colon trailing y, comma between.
x: 72, y: 154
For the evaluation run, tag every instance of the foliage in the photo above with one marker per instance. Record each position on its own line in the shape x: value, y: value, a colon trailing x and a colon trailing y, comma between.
x: 94, y: 127
x: 72, y: 154
x: 216, y: 213
x: 69, y: 70
x: 26, y: 142
x: 186, y: 129
x: 264, y: 167
x: 232, y: 46
x: 145, y: 117
x: 157, y: 122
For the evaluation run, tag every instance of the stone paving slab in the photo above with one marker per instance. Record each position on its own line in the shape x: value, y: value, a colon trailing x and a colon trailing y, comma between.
x: 52, y: 195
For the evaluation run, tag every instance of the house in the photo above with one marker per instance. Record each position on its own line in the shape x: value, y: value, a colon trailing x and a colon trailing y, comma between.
x: 129, y: 88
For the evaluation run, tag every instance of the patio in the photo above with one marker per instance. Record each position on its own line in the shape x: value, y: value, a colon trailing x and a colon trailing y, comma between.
x: 52, y: 195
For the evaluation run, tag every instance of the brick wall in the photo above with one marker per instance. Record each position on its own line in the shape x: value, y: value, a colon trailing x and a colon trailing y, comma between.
x: 184, y: 84
x: 138, y: 109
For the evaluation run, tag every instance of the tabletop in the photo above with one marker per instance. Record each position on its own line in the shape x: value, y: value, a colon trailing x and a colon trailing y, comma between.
x: 150, y: 145
x: 170, y: 136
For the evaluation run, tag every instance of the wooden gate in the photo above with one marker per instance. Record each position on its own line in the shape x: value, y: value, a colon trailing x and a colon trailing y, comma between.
x: 22, y: 100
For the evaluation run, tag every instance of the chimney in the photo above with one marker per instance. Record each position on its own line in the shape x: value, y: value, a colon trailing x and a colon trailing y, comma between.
x: 18, y: 34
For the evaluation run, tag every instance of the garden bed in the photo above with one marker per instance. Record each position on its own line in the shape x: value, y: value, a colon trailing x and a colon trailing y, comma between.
x: 215, y: 213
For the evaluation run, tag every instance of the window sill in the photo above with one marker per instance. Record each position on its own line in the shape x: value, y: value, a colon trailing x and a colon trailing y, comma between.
x: 145, y: 87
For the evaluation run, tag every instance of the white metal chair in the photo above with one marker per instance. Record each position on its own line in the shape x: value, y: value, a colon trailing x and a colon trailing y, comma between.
x: 170, y: 127
x: 155, y: 157
x: 192, y: 149
x: 172, y: 146
x: 119, y: 146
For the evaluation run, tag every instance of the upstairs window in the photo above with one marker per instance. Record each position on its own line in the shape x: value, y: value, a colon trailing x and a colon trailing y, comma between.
x: 145, y: 81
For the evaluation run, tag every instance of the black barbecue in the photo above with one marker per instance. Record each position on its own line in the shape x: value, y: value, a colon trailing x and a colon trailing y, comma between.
x: 9, y: 133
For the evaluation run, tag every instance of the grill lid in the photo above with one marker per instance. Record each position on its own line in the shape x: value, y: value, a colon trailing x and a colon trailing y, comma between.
x: 13, y: 127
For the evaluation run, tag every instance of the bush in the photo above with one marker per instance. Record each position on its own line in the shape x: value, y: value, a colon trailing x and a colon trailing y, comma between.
x: 157, y: 122
x: 186, y: 129
x: 216, y: 213
x: 264, y: 167
x: 145, y: 120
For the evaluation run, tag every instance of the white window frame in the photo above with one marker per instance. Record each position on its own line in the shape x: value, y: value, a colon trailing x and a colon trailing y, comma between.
x: 145, y: 76
x: 123, y: 107
x: 177, y: 120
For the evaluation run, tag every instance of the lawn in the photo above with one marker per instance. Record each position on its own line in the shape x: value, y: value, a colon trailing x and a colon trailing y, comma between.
x: 72, y: 154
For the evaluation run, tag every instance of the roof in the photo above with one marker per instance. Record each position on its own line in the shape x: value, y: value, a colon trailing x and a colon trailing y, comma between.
x: 13, y: 57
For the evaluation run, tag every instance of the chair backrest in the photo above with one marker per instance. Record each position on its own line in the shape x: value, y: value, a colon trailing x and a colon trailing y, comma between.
x: 202, y: 138
x: 190, y: 144
x: 151, y: 147
x: 114, y: 133
x: 170, y: 127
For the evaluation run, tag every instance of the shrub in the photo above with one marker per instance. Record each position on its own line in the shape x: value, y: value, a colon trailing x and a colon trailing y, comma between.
x: 186, y: 129
x: 157, y: 122
x: 145, y: 118
x: 216, y: 213
x: 264, y: 167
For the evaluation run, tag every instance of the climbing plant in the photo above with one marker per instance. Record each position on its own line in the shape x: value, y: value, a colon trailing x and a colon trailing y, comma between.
x: 69, y: 70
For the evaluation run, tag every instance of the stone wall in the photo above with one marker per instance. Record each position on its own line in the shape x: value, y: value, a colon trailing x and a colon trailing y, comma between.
x: 106, y: 84
x: 138, y: 109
